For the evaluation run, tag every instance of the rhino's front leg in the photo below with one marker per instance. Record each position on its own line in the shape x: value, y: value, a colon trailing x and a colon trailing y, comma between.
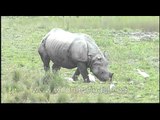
x: 75, y: 75
x: 83, y: 70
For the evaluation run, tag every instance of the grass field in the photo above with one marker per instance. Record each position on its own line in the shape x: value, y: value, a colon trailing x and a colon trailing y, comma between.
x: 22, y: 75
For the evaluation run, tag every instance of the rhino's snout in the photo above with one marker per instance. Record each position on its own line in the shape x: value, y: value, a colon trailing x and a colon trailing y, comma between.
x: 107, y: 77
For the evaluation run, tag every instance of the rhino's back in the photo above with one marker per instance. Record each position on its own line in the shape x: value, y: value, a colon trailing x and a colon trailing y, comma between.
x: 57, y: 45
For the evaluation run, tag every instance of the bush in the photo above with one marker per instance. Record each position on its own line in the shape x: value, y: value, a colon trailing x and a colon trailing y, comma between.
x: 62, y: 98
x: 16, y: 76
x: 51, y: 82
x: 100, y: 99
x: 54, y: 81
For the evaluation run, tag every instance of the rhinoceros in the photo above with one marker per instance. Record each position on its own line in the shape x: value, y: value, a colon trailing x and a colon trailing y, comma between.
x: 73, y: 50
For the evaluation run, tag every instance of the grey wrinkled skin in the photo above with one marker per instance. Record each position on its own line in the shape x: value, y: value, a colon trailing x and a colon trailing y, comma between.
x: 71, y: 50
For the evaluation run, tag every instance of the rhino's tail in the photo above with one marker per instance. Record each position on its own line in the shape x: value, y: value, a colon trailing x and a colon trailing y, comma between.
x: 44, y: 40
x: 42, y: 51
x: 45, y: 37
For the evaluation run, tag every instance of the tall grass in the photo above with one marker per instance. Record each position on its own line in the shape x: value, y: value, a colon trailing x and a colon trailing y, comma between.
x: 145, y: 23
x: 16, y: 76
x: 62, y: 98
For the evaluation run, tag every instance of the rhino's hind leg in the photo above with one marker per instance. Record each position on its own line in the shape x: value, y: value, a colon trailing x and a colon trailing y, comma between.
x: 46, y: 61
x: 55, y: 68
x: 75, y: 75
x: 44, y: 57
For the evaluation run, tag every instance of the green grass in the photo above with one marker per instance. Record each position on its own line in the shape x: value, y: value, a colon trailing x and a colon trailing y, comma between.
x: 24, y: 80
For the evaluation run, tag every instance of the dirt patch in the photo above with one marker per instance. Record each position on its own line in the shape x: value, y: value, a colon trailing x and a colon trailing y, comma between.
x: 154, y: 61
x: 144, y: 36
x: 119, y: 37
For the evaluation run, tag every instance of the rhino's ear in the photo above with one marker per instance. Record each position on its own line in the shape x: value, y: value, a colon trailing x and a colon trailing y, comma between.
x: 105, y: 54
x: 111, y: 75
x: 90, y: 57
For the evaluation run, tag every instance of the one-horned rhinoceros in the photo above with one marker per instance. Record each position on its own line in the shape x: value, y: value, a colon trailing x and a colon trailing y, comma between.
x: 71, y: 50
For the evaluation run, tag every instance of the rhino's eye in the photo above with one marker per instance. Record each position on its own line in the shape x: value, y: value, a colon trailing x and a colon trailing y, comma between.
x: 96, y: 64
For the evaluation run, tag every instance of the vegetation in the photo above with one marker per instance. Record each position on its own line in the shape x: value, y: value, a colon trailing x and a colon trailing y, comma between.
x: 23, y: 79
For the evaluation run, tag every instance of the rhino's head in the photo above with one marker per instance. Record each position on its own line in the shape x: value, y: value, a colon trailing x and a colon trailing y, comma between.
x: 99, y: 68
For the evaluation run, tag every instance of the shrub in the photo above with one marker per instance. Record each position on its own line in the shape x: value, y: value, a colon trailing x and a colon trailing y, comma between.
x: 62, y: 98
x: 16, y: 76
x: 100, y: 99
x: 55, y: 81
